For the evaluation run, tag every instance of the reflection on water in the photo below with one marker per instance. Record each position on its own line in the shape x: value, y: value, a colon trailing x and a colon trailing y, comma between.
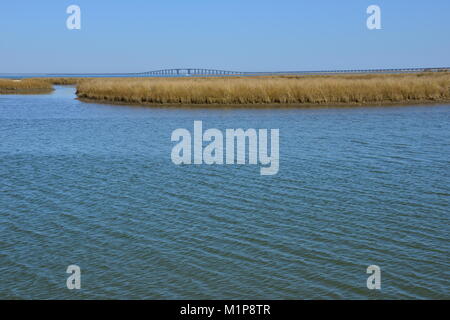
x: 94, y: 185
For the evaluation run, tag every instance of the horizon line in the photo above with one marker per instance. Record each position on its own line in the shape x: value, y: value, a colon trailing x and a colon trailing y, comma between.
x: 231, y: 72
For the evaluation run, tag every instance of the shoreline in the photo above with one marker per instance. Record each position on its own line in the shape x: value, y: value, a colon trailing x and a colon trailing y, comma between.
x: 267, y: 106
x: 30, y: 91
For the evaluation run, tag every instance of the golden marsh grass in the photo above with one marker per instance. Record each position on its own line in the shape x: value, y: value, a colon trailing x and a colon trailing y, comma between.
x: 8, y: 86
x: 35, y: 85
x: 275, y: 90
x: 64, y: 81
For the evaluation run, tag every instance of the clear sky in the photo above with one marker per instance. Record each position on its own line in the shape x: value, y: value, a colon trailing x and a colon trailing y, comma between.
x: 242, y: 35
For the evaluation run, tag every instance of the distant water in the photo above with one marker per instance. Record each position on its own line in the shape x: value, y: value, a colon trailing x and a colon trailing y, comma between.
x: 60, y: 75
x: 79, y: 75
x: 93, y: 185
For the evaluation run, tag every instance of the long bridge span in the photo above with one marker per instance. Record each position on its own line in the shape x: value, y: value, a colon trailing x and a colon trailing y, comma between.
x: 180, y: 72
x: 190, y: 72
x: 215, y: 72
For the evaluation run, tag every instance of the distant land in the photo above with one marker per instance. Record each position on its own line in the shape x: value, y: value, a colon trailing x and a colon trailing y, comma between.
x: 216, y: 72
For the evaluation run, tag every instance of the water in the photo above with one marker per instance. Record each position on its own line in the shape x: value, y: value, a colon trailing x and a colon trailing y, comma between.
x: 93, y: 185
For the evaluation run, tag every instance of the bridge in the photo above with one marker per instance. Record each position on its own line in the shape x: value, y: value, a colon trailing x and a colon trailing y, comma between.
x: 215, y: 72
x: 192, y: 72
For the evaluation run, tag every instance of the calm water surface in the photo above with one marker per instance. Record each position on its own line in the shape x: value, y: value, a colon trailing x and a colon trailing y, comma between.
x: 94, y: 185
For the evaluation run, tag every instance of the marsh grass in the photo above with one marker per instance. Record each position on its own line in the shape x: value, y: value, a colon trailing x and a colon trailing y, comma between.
x: 272, y: 90
x: 64, y: 81
x: 24, y: 86
x: 294, y: 90
x: 35, y: 85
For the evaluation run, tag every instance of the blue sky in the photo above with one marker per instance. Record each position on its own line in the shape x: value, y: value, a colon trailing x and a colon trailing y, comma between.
x: 244, y: 35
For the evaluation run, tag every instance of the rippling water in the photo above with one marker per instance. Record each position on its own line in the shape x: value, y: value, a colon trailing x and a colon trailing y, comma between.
x: 94, y: 185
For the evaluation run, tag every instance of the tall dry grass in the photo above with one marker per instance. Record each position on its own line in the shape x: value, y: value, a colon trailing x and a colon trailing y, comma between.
x: 25, y: 86
x: 64, y: 81
x: 295, y: 90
